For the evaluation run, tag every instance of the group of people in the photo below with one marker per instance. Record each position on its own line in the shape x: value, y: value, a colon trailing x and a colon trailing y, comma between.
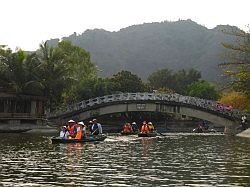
x: 78, y: 130
x: 131, y: 128
x: 223, y: 107
x: 147, y: 127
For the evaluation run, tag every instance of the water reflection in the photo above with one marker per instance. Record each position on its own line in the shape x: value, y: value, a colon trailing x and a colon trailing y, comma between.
x: 173, y: 160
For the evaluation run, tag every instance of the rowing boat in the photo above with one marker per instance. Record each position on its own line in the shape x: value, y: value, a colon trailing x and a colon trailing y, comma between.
x: 149, y: 134
x: 128, y: 133
x: 14, y: 130
x: 92, y: 138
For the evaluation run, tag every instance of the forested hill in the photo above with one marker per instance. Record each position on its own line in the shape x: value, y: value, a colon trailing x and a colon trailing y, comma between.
x: 145, y: 48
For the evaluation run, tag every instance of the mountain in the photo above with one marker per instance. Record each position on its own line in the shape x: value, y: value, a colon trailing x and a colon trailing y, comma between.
x: 145, y: 48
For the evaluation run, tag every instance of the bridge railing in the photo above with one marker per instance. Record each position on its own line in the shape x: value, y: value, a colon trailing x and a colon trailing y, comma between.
x: 176, y: 98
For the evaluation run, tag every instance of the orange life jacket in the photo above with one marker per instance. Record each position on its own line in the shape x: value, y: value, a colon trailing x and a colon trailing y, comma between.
x: 127, y: 128
x: 145, y: 128
x: 71, y: 129
x: 79, y: 134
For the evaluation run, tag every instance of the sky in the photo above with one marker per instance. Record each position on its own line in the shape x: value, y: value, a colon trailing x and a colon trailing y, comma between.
x: 27, y: 23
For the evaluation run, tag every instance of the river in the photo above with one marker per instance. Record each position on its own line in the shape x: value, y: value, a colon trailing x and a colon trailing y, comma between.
x: 171, y: 160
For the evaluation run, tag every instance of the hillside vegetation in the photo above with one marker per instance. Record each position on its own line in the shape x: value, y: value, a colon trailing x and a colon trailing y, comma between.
x: 143, y: 49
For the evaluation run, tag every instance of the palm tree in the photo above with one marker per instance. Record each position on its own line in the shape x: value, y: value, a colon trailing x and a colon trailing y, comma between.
x: 14, y: 74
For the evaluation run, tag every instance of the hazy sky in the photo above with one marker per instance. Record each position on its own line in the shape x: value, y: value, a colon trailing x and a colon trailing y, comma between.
x: 26, y: 23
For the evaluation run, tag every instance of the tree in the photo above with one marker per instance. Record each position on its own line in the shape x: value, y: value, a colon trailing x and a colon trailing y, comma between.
x: 80, y: 70
x: 184, y: 78
x: 95, y: 87
x: 63, y: 71
x: 55, y: 73
x: 162, y: 78
x: 15, y: 74
x: 237, y: 65
x: 236, y: 99
x: 125, y: 81
x: 202, y: 89
x: 178, y: 81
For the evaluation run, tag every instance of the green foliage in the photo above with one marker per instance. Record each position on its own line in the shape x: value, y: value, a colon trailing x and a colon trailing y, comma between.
x: 95, y: 87
x: 202, y: 89
x: 237, y: 65
x: 125, y: 81
x: 162, y: 78
x: 55, y: 73
x: 15, y: 74
x: 177, y: 81
x: 236, y: 99
x: 164, y: 90
x: 148, y: 47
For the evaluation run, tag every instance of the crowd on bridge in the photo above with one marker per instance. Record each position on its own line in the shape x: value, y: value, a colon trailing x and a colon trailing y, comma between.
x: 204, y: 104
x: 79, y: 130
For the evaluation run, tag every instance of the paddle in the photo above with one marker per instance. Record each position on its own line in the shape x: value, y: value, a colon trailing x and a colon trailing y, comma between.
x: 94, y: 131
x: 161, y: 134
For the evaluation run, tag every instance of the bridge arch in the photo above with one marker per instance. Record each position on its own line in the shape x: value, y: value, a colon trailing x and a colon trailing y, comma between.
x: 150, y: 102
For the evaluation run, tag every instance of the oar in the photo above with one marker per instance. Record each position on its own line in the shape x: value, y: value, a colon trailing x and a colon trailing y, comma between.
x: 94, y: 131
x: 161, y: 134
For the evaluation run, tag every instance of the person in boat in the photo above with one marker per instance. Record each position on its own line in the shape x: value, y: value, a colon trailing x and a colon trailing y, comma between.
x: 244, y: 123
x: 127, y: 128
x: 96, y: 128
x: 198, y: 129
x: 144, y: 127
x: 64, y: 133
x: 72, y: 129
x: 89, y: 127
x: 204, y: 125
x: 134, y: 127
x: 80, y: 131
x: 151, y: 127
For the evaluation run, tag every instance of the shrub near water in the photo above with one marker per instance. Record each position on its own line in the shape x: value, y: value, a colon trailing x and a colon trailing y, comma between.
x: 236, y: 99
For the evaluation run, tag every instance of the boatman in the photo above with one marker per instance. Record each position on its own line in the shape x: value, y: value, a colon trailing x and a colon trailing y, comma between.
x: 96, y: 128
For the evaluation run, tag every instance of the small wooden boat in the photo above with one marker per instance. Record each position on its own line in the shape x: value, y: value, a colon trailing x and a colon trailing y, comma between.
x: 199, y: 130
x: 128, y: 133
x: 92, y: 138
x: 14, y: 130
x: 149, y: 134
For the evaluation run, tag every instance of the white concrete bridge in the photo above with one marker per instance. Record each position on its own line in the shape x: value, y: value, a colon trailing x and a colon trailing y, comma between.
x: 150, y: 102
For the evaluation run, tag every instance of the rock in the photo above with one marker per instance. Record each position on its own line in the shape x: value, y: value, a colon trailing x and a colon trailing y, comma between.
x: 245, y: 133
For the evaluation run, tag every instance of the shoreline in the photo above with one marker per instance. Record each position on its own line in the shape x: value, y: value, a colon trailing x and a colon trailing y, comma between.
x: 244, y: 134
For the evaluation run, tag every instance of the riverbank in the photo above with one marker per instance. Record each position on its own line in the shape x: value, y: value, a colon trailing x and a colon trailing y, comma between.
x: 245, y: 133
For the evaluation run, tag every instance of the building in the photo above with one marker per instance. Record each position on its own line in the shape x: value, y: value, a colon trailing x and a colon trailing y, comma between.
x: 21, y: 112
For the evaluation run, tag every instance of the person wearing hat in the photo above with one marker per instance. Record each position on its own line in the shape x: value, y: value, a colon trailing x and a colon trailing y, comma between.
x: 96, y: 128
x: 64, y: 132
x: 80, y: 130
x: 144, y: 127
x: 134, y: 126
x: 151, y: 126
x: 90, y: 127
x: 72, y: 128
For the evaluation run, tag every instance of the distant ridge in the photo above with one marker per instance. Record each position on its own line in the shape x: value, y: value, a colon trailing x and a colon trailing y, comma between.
x: 148, y: 47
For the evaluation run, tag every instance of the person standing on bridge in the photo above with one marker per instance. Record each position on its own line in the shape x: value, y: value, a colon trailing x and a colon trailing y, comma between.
x: 96, y: 128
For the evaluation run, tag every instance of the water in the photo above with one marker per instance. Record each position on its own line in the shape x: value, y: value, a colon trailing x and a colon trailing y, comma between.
x: 172, y: 160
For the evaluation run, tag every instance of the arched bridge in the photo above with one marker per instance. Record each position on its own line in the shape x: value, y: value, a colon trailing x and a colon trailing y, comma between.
x: 151, y: 102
